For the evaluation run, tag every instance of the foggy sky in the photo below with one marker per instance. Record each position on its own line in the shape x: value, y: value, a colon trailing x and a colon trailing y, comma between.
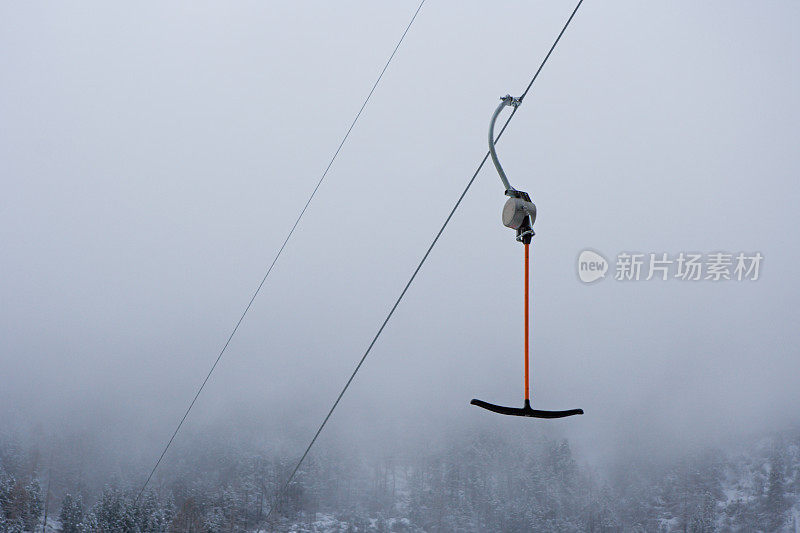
x: 153, y: 160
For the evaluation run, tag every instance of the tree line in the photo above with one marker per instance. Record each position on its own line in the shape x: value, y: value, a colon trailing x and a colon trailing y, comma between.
x: 478, y: 483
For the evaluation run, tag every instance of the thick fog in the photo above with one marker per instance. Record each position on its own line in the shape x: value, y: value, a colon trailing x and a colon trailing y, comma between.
x: 154, y: 158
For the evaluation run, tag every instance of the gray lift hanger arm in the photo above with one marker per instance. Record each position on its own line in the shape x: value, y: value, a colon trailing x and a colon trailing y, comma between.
x: 519, y: 213
x: 507, y: 100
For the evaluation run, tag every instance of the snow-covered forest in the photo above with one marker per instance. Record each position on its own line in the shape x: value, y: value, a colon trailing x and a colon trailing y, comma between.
x: 472, y: 483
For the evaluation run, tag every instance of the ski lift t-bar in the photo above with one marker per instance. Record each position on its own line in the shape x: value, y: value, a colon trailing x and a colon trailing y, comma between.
x: 519, y: 213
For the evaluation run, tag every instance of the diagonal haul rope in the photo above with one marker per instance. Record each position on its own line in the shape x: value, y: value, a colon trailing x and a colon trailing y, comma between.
x: 280, y: 250
x: 416, y: 271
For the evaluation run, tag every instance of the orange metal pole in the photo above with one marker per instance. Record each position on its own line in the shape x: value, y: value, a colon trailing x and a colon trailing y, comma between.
x: 527, y: 380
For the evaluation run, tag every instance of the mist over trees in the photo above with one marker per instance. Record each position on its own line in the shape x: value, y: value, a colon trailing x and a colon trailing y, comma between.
x: 478, y: 482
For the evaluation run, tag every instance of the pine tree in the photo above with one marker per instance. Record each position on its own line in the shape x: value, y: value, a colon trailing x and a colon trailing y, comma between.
x: 21, y: 505
x: 704, y: 518
x: 34, y: 504
x: 775, y: 503
x: 152, y: 515
x: 112, y: 513
x: 71, y: 516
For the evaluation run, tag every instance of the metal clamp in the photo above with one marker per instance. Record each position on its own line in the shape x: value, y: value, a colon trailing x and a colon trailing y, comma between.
x: 511, y: 100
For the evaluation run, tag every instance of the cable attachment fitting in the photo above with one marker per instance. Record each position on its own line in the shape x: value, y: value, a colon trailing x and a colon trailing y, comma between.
x: 512, y: 101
